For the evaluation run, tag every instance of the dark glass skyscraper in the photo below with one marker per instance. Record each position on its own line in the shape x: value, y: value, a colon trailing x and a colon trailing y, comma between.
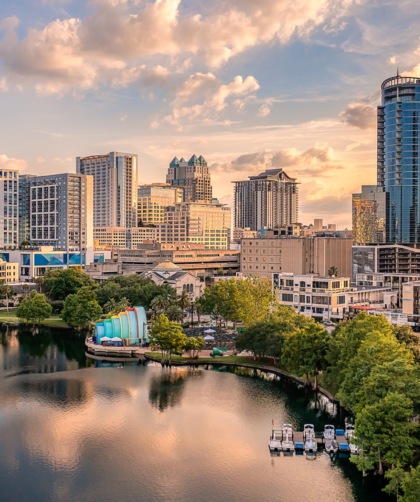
x: 398, y: 157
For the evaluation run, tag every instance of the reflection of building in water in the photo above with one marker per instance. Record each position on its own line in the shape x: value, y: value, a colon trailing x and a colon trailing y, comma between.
x: 369, y: 215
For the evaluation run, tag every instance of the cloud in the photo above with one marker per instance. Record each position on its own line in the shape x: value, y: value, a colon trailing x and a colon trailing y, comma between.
x: 264, y: 110
x: 319, y: 161
x: 3, y: 84
x: 85, y: 54
x: 359, y: 115
x: 214, y: 102
x: 195, y: 86
x: 392, y: 60
x: 11, y: 163
x: 154, y: 124
x: 40, y: 160
x: 123, y: 118
x: 69, y: 159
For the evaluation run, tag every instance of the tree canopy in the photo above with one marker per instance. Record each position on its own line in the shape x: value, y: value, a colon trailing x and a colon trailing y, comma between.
x: 58, y: 284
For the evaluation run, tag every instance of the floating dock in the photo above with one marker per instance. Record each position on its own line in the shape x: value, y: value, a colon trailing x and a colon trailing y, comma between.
x: 298, y: 439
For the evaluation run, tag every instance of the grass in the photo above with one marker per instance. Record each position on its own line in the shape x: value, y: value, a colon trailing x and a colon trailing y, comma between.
x: 224, y: 359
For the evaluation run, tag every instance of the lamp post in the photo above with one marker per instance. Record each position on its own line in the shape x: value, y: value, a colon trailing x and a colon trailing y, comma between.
x: 192, y: 306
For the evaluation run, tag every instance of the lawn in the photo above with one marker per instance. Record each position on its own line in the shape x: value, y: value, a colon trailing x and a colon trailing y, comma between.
x: 12, y: 313
x: 224, y: 359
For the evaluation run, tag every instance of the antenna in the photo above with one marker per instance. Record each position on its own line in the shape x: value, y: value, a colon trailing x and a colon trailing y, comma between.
x: 398, y: 73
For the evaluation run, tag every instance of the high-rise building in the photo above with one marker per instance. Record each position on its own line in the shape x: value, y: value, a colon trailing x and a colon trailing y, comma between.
x: 9, y: 211
x: 207, y: 224
x: 24, y: 212
x: 267, y: 200
x: 152, y: 200
x: 61, y: 213
x: 115, y: 179
x: 369, y: 209
x: 398, y: 157
x: 193, y: 176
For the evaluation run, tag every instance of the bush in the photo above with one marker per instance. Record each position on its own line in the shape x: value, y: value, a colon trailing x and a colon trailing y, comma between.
x: 57, y: 306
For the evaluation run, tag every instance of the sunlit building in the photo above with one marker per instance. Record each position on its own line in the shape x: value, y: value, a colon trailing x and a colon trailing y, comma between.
x: 193, y: 176
x: 369, y: 209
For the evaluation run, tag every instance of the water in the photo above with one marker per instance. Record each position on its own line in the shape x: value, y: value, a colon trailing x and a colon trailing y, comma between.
x: 72, y: 429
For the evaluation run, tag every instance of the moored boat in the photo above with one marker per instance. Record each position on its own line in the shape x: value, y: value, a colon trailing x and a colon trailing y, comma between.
x: 287, y: 443
x: 309, y: 438
x: 331, y: 446
x: 329, y: 431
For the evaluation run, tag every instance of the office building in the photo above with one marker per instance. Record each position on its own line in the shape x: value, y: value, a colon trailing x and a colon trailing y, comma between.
x: 267, y: 200
x: 9, y: 271
x: 369, y: 209
x: 9, y: 212
x: 61, y: 212
x: 152, y: 200
x: 193, y: 176
x: 297, y: 255
x: 24, y: 212
x: 115, y: 180
x: 123, y: 238
x: 398, y: 157
x: 243, y: 233
x: 208, y: 224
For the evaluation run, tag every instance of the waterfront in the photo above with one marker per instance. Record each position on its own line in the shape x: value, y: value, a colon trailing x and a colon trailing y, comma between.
x: 71, y: 430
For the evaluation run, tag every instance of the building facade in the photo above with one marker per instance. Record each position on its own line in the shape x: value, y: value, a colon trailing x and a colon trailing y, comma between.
x: 297, y: 255
x: 398, y: 157
x: 24, y: 212
x: 193, y: 176
x: 9, y: 212
x: 267, y: 200
x: 123, y: 238
x: 152, y: 200
x: 206, y: 223
x: 369, y: 210
x: 115, y: 180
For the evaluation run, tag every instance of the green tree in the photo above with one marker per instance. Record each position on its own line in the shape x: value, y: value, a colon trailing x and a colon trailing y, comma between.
x: 304, y: 351
x: 199, y: 308
x: 193, y: 345
x: 333, y: 271
x: 6, y: 291
x: 174, y: 313
x: 58, y: 284
x: 384, y: 433
x: 24, y: 312
x: 160, y: 303
x: 411, y: 485
x: 115, y: 307
x: 183, y: 301
x: 255, y: 299
x: 82, y: 309
x: 25, y: 288
x: 166, y: 336
x: 405, y: 334
x: 40, y: 308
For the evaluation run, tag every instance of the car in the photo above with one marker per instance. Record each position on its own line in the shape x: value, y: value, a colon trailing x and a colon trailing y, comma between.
x: 328, y: 323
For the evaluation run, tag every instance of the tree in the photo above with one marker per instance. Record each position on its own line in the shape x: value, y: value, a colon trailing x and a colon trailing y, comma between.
x: 24, y: 312
x: 82, y: 309
x: 25, y: 244
x: 220, y: 271
x: 255, y: 299
x: 199, y: 308
x: 411, y: 485
x: 35, y: 308
x: 333, y: 271
x: 405, y: 334
x: 166, y: 336
x: 40, y: 282
x: 384, y: 433
x: 193, y: 345
x: 174, y: 314
x: 160, y: 303
x: 183, y: 301
x: 25, y: 288
x: 304, y: 351
x: 115, y: 307
x: 6, y: 291
x: 58, y: 284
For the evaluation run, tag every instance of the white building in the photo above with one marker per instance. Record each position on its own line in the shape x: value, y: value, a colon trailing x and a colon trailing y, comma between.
x: 9, y: 222
x: 114, y: 187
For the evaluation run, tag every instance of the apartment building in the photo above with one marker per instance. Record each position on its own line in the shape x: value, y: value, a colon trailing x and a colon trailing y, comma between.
x: 9, y: 271
x: 243, y: 233
x: 298, y: 255
x: 193, y: 176
x: 267, y: 200
x: 152, y: 200
x: 195, y: 223
x: 24, y: 211
x: 115, y: 180
x: 111, y: 236
x: 329, y: 296
x: 9, y: 212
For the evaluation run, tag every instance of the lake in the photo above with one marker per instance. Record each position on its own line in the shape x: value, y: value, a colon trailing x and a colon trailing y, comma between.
x: 73, y: 429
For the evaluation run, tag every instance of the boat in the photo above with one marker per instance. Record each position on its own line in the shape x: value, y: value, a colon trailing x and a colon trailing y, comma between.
x: 309, y: 438
x: 274, y: 443
x: 331, y: 446
x: 329, y: 432
x: 287, y: 443
x: 349, y: 430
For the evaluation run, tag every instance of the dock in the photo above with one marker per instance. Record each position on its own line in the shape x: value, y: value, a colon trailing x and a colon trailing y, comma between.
x: 299, y: 442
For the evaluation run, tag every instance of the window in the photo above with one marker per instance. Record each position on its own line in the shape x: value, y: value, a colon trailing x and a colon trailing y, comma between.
x: 335, y: 285
x: 341, y: 300
x: 286, y: 297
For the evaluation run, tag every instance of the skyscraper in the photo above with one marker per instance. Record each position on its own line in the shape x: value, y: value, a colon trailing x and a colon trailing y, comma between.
x: 398, y: 157
x: 115, y: 179
x: 194, y: 176
x: 267, y: 200
x: 369, y: 209
x: 9, y: 212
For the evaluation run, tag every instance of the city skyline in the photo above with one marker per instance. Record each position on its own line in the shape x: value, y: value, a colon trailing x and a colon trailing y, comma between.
x: 297, y: 92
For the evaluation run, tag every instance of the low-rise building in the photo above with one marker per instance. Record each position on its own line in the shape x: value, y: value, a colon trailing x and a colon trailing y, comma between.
x: 167, y: 272
x: 123, y: 238
x: 9, y: 271
x: 244, y: 233
x: 329, y: 296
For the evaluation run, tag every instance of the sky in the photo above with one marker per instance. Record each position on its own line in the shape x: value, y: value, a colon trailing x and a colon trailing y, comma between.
x: 248, y: 84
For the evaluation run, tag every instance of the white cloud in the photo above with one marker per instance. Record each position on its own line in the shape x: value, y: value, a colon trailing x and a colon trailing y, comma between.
x: 69, y: 159
x: 264, y: 110
x: 392, y: 60
x: 40, y: 160
x: 123, y: 118
x: 359, y: 115
x: 11, y: 163
x: 154, y: 124
x: 3, y: 84
x: 84, y: 54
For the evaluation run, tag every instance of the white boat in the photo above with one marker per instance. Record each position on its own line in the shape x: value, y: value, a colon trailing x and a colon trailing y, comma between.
x: 309, y: 438
x: 274, y: 442
x: 349, y: 431
x: 287, y: 443
x: 329, y: 432
x: 331, y: 446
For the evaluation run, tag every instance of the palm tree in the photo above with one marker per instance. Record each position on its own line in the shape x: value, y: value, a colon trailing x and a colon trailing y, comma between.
x: 6, y: 290
x: 183, y: 301
x: 110, y: 306
x: 174, y: 314
x: 199, y: 307
x: 25, y: 289
x: 40, y: 281
x: 333, y: 271
x: 122, y: 305
x: 160, y: 303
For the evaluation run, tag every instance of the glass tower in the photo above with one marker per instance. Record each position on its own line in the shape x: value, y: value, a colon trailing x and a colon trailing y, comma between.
x: 398, y: 160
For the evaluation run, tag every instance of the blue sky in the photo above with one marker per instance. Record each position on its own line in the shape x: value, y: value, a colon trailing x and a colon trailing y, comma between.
x: 249, y: 84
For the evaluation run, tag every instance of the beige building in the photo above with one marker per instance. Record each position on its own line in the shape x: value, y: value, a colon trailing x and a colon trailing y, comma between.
x: 9, y: 272
x: 167, y: 272
x: 193, y: 176
x: 244, y: 233
x: 152, y: 200
x: 297, y: 255
x: 194, y: 258
x: 205, y: 223
x: 110, y: 236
